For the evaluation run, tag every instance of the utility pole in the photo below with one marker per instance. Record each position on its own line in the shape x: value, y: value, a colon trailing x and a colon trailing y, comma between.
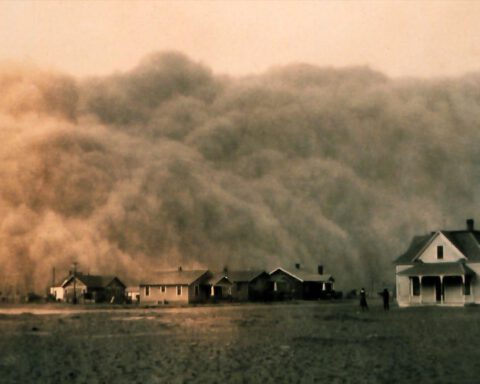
x: 74, y: 300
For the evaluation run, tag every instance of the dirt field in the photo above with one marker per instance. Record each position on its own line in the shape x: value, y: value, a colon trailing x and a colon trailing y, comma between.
x: 278, y: 343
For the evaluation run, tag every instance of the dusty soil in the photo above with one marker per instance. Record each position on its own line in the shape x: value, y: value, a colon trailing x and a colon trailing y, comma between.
x: 276, y: 343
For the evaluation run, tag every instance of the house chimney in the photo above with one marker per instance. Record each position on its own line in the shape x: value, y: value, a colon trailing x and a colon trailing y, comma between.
x: 225, y: 270
x: 320, y: 269
x: 297, y: 265
x: 470, y: 225
x: 180, y: 268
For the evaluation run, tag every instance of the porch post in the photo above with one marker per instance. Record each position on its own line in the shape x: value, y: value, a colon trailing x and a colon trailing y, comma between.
x: 442, y: 292
x: 410, y: 289
x: 463, y: 287
x: 421, y: 289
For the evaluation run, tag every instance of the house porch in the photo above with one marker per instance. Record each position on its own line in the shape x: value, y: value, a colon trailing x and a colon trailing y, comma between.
x: 441, y: 290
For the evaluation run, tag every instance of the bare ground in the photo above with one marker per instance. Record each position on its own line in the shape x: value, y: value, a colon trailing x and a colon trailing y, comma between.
x: 276, y: 343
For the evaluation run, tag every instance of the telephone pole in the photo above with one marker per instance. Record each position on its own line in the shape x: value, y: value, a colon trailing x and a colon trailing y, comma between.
x: 74, y: 300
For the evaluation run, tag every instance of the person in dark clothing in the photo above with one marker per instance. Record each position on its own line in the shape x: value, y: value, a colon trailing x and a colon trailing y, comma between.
x: 363, y: 300
x: 386, y: 299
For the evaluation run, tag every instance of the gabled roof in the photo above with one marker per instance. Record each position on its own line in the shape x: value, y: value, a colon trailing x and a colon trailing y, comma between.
x: 217, y: 277
x: 59, y: 284
x: 417, y: 244
x: 436, y: 269
x: 93, y: 281
x: 304, y: 276
x: 184, y: 277
x: 244, y: 276
x: 467, y: 242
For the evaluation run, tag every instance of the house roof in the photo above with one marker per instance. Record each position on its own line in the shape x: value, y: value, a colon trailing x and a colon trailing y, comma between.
x: 305, y: 276
x: 93, y: 281
x: 436, y: 269
x: 244, y: 276
x: 217, y: 277
x: 59, y: 283
x: 467, y: 242
x: 184, y: 277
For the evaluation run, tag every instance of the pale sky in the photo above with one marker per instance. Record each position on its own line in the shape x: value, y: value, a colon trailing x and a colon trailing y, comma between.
x: 409, y: 38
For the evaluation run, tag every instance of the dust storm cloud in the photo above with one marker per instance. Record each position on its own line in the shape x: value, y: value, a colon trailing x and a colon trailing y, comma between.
x: 170, y: 164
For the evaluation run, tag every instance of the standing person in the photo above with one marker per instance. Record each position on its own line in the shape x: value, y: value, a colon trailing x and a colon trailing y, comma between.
x: 363, y: 300
x: 386, y: 299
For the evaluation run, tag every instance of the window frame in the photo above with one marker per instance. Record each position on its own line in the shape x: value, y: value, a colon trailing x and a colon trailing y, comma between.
x: 440, y: 252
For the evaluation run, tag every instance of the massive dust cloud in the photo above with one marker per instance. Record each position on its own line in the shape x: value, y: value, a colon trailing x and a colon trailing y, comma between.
x: 170, y: 164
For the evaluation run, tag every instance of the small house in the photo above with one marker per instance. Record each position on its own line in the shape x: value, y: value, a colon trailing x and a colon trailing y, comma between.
x: 440, y: 268
x: 301, y: 284
x: 250, y: 285
x: 93, y: 289
x: 180, y: 286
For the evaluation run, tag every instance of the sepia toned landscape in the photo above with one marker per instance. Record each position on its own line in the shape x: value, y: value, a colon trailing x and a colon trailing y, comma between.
x: 236, y: 192
x: 302, y: 342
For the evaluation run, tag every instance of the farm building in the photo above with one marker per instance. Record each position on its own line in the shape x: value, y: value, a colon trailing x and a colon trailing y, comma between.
x: 250, y: 285
x: 180, y: 286
x: 440, y: 269
x: 301, y: 284
x: 220, y: 286
x: 93, y: 289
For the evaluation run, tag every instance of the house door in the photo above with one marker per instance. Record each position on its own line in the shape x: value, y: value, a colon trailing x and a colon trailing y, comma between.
x: 438, y: 290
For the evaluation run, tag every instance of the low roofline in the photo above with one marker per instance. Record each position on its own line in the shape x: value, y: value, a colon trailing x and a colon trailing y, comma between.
x: 216, y: 281
x: 80, y: 275
x: 201, y: 272
x: 287, y: 272
x: 258, y: 273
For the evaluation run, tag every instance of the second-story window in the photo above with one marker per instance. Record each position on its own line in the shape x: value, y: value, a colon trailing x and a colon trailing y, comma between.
x: 440, y: 252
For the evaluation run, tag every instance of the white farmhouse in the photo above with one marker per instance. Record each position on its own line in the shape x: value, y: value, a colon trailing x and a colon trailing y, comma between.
x: 440, y: 268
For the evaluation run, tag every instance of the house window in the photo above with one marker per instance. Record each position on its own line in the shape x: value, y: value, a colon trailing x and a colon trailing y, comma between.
x: 440, y: 252
x: 197, y: 290
x: 147, y: 290
x: 179, y: 290
x: 415, y: 286
x: 163, y: 288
